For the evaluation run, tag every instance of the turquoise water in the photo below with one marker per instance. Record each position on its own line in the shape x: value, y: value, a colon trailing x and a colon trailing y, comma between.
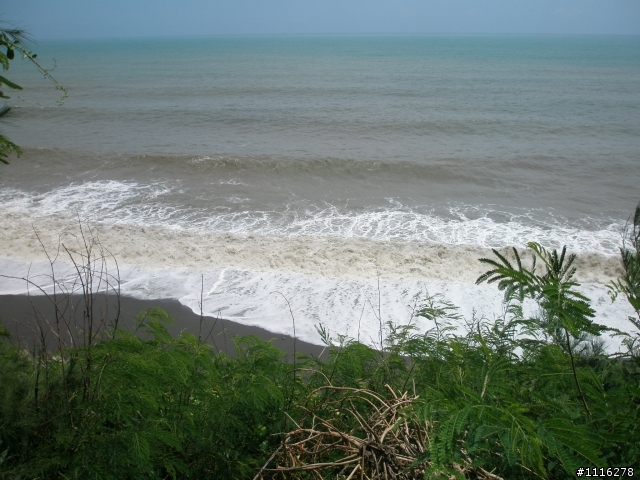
x: 457, y: 139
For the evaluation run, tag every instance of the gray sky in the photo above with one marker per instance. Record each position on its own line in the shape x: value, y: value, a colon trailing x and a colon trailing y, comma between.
x: 124, y: 18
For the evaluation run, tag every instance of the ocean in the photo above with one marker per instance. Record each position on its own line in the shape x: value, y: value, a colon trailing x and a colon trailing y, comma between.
x: 353, y: 174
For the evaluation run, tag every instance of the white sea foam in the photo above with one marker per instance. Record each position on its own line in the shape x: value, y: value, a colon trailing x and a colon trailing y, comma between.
x: 351, y: 307
x: 112, y: 201
x: 327, y: 280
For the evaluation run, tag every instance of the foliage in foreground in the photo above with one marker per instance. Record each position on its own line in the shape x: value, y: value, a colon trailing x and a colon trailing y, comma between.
x: 515, y: 397
x: 128, y: 408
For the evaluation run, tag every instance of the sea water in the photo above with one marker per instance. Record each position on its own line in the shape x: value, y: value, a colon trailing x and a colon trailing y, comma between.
x: 352, y: 174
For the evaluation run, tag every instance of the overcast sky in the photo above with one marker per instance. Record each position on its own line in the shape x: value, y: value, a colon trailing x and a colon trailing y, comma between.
x: 125, y: 18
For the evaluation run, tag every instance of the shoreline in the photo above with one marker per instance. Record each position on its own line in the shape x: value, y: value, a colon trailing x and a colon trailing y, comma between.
x: 343, y: 284
x: 17, y: 311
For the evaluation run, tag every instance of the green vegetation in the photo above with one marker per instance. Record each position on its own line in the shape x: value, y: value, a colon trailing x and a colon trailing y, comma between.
x: 514, y: 397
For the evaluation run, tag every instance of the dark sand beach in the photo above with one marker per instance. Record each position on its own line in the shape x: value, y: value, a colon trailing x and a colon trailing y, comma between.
x: 19, y: 315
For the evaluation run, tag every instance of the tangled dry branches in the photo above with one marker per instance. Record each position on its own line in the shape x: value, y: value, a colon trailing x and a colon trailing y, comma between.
x: 339, y: 441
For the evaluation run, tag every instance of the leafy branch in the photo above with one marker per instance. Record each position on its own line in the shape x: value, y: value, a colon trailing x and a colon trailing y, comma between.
x: 11, y: 41
x: 565, y: 308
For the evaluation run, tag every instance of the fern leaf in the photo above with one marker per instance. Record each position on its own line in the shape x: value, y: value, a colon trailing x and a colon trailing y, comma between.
x: 576, y: 438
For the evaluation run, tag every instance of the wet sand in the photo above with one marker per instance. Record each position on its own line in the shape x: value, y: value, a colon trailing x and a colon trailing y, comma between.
x: 20, y: 313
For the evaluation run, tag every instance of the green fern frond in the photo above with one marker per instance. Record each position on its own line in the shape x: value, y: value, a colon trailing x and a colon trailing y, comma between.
x: 517, y: 283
